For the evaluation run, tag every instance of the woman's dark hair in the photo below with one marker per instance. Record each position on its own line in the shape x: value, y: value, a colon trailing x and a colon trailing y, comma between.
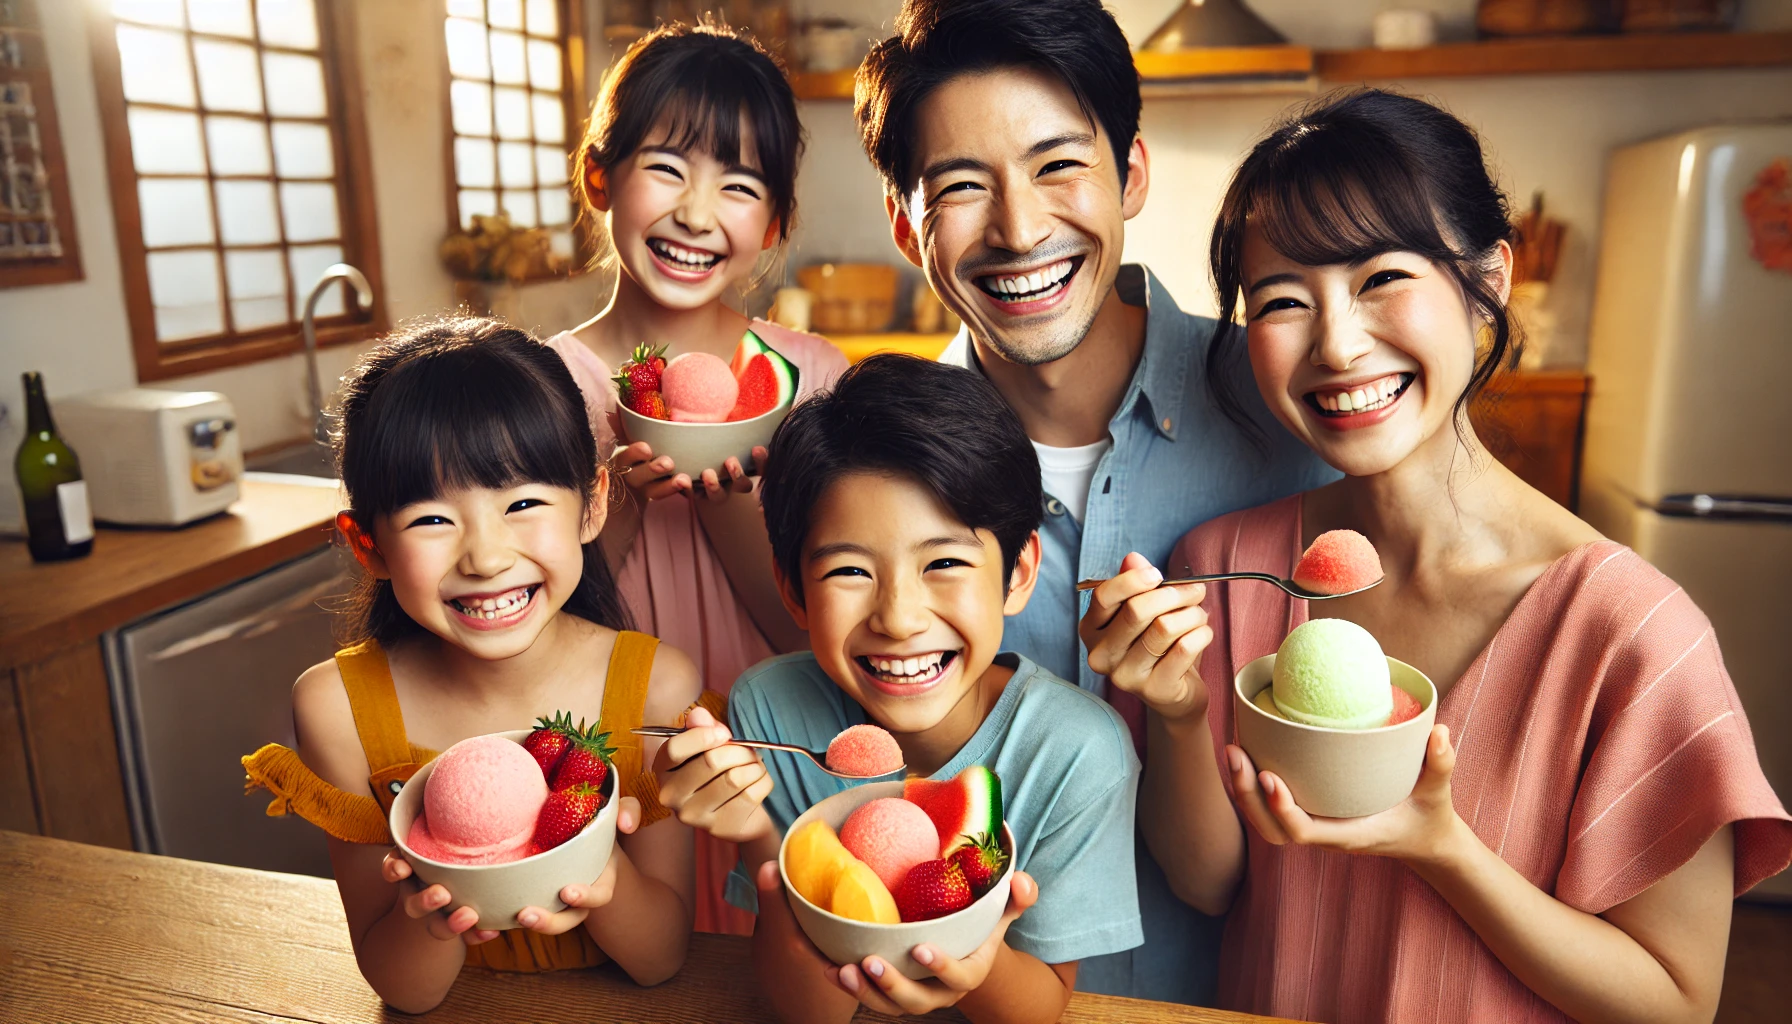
x: 453, y: 403
x: 1350, y: 178
x: 938, y: 40
x: 944, y: 427
x: 701, y: 82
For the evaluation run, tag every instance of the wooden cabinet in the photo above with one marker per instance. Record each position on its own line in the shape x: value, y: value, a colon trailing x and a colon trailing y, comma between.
x: 60, y: 773
x: 1533, y: 422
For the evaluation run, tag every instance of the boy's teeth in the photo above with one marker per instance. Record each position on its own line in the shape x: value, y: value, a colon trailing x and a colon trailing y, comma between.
x: 925, y: 664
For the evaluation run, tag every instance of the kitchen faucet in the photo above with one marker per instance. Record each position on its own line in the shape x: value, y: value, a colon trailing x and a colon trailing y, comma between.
x: 363, y: 300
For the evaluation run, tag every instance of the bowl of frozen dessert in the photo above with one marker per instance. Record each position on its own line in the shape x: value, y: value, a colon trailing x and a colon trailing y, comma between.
x: 486, y: 821
x: 881, y: 868
x: 700, y: 410
x: 1341, y: 723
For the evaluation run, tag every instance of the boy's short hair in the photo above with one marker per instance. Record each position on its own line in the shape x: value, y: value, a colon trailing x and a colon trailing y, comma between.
x: 944, y: 427
x: 937, y: 40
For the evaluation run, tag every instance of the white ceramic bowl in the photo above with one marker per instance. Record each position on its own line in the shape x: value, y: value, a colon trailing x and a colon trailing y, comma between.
x: 845, y: 941
x: 695, y: 447
x: 500, y: 891
x: 1336, y: 773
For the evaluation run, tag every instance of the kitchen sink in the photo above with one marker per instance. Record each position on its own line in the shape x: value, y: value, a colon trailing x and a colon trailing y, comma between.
x: 305, y: 459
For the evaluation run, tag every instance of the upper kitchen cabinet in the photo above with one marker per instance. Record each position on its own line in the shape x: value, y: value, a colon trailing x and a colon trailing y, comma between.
x: 239, y: 171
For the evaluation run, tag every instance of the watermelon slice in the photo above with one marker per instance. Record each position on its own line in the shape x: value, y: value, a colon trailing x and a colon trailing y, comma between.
x: 962, y: 809
x: 766, y: 379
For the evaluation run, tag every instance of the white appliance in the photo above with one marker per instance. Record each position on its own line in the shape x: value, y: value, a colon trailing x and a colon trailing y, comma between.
x: 1688, y: 454
x: 153, y: 457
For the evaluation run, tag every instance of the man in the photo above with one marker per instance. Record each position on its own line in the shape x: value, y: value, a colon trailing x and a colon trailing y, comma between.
x: 1006, y: 133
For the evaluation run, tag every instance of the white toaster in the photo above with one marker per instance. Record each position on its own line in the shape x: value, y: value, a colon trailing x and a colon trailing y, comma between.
x: 153, y: 457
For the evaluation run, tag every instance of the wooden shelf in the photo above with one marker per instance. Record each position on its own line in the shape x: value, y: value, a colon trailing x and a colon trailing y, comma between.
x: 858, y: 346
x: 1225, y: 62
x: 823, y: 85
x: 1285, y: 68
x: 1682, y: 51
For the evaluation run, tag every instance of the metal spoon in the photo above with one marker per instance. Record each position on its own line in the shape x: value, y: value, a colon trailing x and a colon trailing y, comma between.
x: 820, y: 757
x: 1289, y: 585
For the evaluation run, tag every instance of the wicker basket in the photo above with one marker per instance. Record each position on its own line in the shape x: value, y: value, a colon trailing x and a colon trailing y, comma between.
x: 851, y: 298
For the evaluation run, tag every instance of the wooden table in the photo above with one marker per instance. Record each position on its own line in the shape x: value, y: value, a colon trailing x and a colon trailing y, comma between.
x: 93, y: 934
x: 59, y: 772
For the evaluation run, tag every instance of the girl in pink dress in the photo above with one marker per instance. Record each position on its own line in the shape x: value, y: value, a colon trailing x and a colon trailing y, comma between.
x: 689, y: 163
x: 1591, y: 801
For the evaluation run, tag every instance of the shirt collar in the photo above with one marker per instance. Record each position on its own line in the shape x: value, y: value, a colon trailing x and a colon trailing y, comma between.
x: 1163, y: 366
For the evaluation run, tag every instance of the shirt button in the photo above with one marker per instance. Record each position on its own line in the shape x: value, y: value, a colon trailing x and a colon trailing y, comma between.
x: 1054, y: 507
x: 1166, y: 422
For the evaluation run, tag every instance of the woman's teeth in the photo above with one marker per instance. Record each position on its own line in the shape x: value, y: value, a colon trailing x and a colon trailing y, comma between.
x: 1039, y: 284
x: 908, y: 670
x: 689, y: 259
x: 494, y: 607
x: 1371, y: 396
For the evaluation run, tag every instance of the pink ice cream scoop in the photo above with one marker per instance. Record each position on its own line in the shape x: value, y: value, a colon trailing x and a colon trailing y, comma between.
x: 479, y: 803
x: 864, y: 750
x: 1338, y: 562
x: 699, y: 388
x: 890, y: 835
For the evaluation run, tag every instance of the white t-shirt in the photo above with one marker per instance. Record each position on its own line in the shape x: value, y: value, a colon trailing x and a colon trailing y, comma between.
x: 1068, y: 472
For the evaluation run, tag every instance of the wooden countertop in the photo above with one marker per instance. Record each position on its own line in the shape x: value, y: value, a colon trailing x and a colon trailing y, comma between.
x: 45, y: 607
x: 106, y: 935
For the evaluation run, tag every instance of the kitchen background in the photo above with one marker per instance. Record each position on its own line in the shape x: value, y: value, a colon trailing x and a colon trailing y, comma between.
x: 174, y: 633
x: 1544, y: 132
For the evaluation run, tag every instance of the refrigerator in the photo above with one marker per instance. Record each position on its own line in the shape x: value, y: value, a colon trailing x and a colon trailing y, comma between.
x: 1688, y: 455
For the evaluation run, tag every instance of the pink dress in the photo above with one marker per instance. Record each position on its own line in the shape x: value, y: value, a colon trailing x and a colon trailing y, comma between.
x: 1600, y: 744
x: 674, y: 583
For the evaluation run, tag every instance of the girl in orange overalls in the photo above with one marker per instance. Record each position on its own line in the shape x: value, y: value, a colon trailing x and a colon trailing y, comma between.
x: 475, y: 501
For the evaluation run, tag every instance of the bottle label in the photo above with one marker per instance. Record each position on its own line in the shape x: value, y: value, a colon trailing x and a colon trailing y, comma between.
x: 77, y: 520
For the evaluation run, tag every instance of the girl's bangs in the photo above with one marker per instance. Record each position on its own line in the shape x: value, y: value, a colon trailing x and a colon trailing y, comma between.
x: 468, y: 420
x: 1319, y: 200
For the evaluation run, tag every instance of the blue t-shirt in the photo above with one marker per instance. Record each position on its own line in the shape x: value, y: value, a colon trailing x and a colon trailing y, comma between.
x: 1069, y: 779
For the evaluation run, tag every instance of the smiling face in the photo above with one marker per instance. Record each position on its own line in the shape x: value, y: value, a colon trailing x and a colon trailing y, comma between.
x: 1363, y: 362
x: 1018, y: 216
x: 685, y: 225
x: 487, y: 569
x: 904, y: 604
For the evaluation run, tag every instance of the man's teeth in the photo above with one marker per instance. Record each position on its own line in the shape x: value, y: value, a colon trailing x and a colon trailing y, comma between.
x: 1370, y: 396
x: 695, y: 259
x: 907, y: 668
x: 1029, y: 286
x: 493, y: 607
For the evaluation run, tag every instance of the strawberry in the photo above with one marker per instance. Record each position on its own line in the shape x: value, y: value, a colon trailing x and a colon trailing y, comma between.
x: 651, y: 404
x: 564, y: 813
x: 549, y: 741
x: 931, y: 889
x: 587, y: 760
x: 642, y: 371
x: 982, y: 862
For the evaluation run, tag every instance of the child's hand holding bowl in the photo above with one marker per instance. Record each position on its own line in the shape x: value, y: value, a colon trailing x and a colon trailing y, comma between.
x: 651, y: 477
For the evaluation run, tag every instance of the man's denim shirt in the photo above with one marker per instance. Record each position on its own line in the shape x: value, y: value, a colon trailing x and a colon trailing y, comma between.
x: 1176, y: 462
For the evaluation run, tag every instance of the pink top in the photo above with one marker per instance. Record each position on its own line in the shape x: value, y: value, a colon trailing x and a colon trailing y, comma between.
x: 672, y: 581
x: 1600, y: 744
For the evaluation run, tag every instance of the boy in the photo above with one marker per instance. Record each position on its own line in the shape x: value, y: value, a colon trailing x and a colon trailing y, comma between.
x: 903, y: 510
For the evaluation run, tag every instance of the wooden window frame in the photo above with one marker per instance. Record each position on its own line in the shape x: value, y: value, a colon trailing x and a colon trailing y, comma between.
x: 36, y: 73
x: 573, y: 103
x: 359, y: 230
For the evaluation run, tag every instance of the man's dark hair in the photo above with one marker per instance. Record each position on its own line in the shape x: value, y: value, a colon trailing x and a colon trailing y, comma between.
x: 943, y: 427
x: 938, y: 40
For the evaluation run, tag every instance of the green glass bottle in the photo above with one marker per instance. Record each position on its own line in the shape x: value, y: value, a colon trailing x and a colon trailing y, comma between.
x: 58, y: 522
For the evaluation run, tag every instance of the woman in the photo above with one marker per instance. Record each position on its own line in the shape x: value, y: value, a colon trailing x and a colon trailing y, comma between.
x: 1590, y: 801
